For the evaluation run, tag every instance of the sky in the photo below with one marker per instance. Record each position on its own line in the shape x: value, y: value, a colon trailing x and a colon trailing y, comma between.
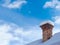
x: 20, y: 20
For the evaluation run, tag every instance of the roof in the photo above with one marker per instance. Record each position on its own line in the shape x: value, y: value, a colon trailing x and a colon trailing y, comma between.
x: 54, y: 40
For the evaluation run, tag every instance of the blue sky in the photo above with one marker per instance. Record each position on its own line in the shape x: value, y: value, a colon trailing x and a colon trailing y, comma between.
x: 23, y: 17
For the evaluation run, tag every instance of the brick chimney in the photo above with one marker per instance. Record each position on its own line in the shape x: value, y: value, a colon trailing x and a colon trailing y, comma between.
x: 47, y: 27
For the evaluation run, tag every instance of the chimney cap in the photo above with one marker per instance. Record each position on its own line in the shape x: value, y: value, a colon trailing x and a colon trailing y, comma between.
x: 45, y: 22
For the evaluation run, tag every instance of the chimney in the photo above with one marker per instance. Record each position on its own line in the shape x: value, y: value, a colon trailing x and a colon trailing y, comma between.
x: 47, y: 27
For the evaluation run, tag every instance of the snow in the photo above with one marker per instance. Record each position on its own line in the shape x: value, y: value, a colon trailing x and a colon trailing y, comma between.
x: 55, y: 40
x: 48, y: 21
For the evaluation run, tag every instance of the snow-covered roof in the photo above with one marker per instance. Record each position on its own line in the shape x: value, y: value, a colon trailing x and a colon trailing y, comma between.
x: 50, y: 22
x: 54, y: 40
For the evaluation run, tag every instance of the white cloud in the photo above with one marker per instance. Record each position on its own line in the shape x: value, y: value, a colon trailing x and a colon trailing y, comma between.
x: 18, y: 31
x: 48, y: 4
x: 56, y: 30
x: 6, y: 36
x: 56, y: 24
x: 19, y: 37
x: 14, y: 4
x: 57, y: 19
x: 33, y: 33
x: 52, y: 4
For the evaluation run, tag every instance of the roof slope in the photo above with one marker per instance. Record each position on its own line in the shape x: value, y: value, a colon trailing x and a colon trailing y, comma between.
x: 55, y: 40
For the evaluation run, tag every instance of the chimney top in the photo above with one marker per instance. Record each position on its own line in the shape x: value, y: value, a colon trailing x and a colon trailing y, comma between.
x: 45, y: 22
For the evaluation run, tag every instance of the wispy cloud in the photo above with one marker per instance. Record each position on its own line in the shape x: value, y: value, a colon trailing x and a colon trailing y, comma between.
x: 14, y: 4
x: 52, y: 4
x: 33, y: 33
x: 56, y: 24
x: 57, y: 19
x: 6, y: 35
x: 12, y: 34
